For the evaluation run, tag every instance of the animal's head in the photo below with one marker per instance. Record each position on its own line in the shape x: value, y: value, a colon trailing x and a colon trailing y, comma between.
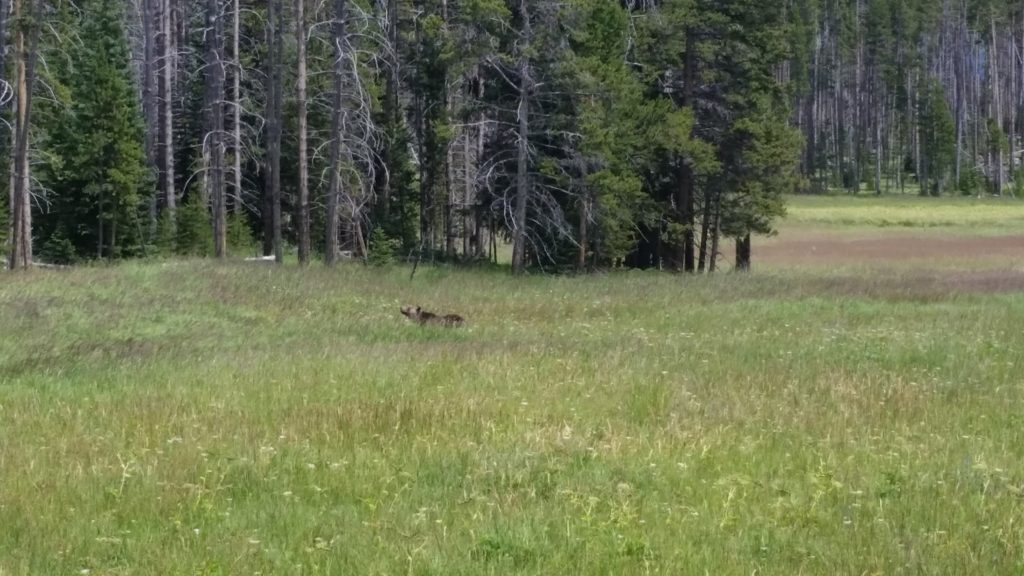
x: 411, y: 311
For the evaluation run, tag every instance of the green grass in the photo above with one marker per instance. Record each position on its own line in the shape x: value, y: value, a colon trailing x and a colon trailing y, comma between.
x: 984, y: 215
x: 191, y: 418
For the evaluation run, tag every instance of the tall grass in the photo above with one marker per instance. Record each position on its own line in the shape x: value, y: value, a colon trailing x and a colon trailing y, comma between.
x: 190, y: 418
x: 990, y: 215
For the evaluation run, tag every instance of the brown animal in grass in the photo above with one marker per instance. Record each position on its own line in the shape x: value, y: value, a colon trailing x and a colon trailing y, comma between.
x: 422, y: 317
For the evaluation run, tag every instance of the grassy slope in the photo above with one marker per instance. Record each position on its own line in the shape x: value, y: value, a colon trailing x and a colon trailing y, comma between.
x: 189, y: 418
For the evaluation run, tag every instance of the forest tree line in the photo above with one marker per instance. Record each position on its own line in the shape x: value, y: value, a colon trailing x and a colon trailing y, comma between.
x: 586, y: 133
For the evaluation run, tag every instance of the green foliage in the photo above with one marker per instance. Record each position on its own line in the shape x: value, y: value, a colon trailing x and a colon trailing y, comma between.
x: 769, y: 171
x: 58, y: 249
x: 239, y: 235
x: 95, y: 162
x: 165, y: 238
x: 972, y: 181
x: 194, y: 235
x: 938, y: 139
x: 382, y: 248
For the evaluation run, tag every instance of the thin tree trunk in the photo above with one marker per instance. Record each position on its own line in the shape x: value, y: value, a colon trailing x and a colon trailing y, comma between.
x: 449, y: 164
x: 21, y: 209
x: 302, y: 217
x: 581, y: 262
x: 215, y: 124
x: 149, y: 98
x: 743, y: 253
x: 479, y: 157
x: 167, y: 117
x: 1011, y: 121
x: 685, y: 186
x: 713, y: 257
x: 236, y: 110
x: 99, y: 227
x: 3, y: 70
x: 522, y: 148
x: 274, y: 126
x: 705, y: 228
x: 425, y: 180
x: 997, y: 112
x: 334, y: 190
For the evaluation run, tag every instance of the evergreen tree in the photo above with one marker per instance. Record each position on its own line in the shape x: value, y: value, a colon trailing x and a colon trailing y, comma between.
x: 98, y: 161
x: 937, y: 135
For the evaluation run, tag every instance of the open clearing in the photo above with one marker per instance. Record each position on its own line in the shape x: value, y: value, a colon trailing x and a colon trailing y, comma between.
x: 831, y: 248
x: 864, y: 417
x: 905, y: 232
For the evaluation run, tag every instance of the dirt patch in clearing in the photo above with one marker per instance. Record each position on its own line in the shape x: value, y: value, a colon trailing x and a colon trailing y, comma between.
x: 838, y: 248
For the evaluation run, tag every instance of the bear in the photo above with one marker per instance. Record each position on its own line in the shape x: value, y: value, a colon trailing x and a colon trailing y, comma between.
x: 417, y: 314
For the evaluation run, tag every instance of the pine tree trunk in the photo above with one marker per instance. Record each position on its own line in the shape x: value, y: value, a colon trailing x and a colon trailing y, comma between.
x: 581, y: 262
x: 236, y: 109
x: 149, y: 99
x: 522, y: 148
x: 334, y: 189
x: 685, y: 187
x: 419, y: 114
x: 302, y: 216
x: 215, y: 124
x: 167, y: 117
x: 522, y: 172
x: 705, y: 228
x: 1011, y: 121
x: 274, y: 126
x: 26, y: 39
x: 743, y: 253
x: 997, y: 112
x: 713, y: 257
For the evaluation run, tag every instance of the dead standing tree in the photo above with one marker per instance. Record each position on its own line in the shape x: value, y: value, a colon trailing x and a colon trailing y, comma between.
x: 522, y: 142
x: 213, y: 148
x: 275, y: 46
x: 354, y: 135
x: 166, y: 55
x: 26, y: 15
x: 302, y: 207
x: 340, y: 41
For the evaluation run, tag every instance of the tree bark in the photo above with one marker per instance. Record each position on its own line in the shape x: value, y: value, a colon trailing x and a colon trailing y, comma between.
x: 236, y: 109
x: 705, y: 228
x: 273, y: 177
x: 334, y: 190
x: 713, y: 257
x: 302, y: 207
x: 215, y: 124
x: 167, y: 116
x: 581, y: 262
x: 743, y: 253
x: 997, y: 112
x: 522, y: 148
x: 685, y: 187
x: 149, y: 98
x: 26, y: 40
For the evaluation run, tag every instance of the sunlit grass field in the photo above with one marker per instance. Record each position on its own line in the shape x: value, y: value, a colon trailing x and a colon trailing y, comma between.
x: 193, y: 418
x: 949, y: 213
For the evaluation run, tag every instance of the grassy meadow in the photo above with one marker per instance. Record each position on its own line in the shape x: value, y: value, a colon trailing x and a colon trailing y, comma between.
x: 960, y: 214
x: 186, y: 417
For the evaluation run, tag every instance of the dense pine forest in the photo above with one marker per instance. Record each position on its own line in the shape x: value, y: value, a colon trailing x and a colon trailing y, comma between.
x: 587, y: 134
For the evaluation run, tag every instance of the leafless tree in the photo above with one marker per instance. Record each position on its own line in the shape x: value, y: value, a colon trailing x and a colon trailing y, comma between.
x: 26, y: 54
x: 302, y: 208
x: 214, y: 109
